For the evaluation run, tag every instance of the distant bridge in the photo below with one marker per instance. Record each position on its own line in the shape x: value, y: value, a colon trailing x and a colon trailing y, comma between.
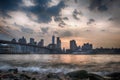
x: 20, y: 48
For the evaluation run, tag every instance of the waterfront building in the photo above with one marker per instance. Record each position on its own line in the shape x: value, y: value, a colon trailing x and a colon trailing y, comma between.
x: 73, y: 45
x: 32, y: 42
x: 53, y: 39
x: 22, y: 40
x: 58, y: 45
x: 13, y: 40
x: 87, y: 46
x: 41, y: 43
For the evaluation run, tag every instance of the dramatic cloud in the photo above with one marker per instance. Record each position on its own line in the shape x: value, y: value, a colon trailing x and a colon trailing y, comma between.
x: 76, y: 14
x: 90, y: 21
x: 44, y: 30
x: 7, y: 5
x: 44, y: 12
x: 66, y: 33
x: 62, y: 24
x: 27, y: 30
x: 101, y: 5
x: 69, y: 19
x: 65, y: 18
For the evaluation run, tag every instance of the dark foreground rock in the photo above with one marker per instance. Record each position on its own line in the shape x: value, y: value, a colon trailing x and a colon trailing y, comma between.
x: 80, y: 74
x: 95, y: 77
x: 13, y: 70
x: 14, y: 74
x: 114, y: 76
x: 53, y: 76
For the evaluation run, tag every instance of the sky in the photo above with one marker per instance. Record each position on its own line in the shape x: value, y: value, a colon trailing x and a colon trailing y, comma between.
x: 93, y: 21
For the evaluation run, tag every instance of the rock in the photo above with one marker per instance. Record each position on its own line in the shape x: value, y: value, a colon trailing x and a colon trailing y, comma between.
x: 81, y: 74
x: 13, y: 70
x: 95, y: 77
x: 114, y: 76
x: 7, y: 76
x: 24, y: 76
x: 53, y: 76
x: 33, y: 78
x: 0, y: 71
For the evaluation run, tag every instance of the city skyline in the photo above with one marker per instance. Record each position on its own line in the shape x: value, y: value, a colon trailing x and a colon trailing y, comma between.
x: 21, y: 46
x: 55, y: 40
x: 93, y: 21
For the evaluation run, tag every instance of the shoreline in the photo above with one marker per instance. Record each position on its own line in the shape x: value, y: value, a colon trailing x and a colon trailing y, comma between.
x: 59, y: 54
x: 15, y: 74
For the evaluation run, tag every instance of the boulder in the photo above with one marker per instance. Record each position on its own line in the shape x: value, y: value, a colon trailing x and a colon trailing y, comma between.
x: 114, y: 76
x: 33, y: 78
x: 53, y: 76
x: 24, y: 76
x: 0, y: 71
x: 80, y: 74
x: 13, y: 70
x: 95, y: 77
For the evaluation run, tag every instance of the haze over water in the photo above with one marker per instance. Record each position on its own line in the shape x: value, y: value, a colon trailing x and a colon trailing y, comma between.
x: 61, y: 62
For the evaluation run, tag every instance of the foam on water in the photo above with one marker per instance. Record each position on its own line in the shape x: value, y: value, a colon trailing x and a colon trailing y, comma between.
x: 39, y: 69
x: 61, y: 63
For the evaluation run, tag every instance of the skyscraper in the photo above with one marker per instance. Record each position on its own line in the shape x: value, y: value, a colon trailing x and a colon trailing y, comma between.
x: 73, y: 45
x: 32, y: 41
x: 13, y: 40
x: 58, y: 45
x: 22, y: 40
x: 53, y: 39
x: 41, y: 43
x: 87, y: 46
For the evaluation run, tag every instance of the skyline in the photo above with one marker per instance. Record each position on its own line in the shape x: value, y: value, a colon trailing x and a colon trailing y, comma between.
x: 55, y: 41
x: 94, y: 21
x: 21, y: 46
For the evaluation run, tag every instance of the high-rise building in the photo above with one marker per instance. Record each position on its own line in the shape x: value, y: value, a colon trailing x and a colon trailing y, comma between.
x: 13, y: 40
x: 58, y: 45
x: 32, y: 42
x: 87, y: 47
x: 22, y: 40
x: 73, y: 45
x: 41, y: 43
x: 53, y: 39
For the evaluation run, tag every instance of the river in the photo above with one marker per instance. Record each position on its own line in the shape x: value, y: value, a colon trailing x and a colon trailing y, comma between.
x: 60, y: 62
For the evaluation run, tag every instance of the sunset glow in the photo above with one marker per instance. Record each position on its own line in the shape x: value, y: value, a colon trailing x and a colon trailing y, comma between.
x: 81, y: 20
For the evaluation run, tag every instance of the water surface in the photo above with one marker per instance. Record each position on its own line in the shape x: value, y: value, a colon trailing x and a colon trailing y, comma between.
x: 61, y: 62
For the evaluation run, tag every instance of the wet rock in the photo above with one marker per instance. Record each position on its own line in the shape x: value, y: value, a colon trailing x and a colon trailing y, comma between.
x: 24, y: 76
x: 7, y: 76
x: 13, y: 70
x: 53, y: 76
x: 35, y: 73
x: 81, y: 74
x: 0, y: 71
x: 114, y: 76
x: 95, y: 77
x: 33, y: 78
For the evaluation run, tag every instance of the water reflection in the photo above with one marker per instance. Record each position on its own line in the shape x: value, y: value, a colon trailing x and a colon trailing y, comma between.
x: 78, y: 59
x: 88, y: 62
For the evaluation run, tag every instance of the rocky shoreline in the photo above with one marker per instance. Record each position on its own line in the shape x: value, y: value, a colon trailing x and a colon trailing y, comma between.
x: 14, y: 74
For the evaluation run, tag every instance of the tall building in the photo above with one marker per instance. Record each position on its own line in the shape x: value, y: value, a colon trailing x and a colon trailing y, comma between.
x: 22, y: 40
x: 73, y: 45
x: 87, y: 47
x: 32, y: 42
x: 53, y: 39
x: 41, y: 43
x: 58, y: 45
x: 13, y: 40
